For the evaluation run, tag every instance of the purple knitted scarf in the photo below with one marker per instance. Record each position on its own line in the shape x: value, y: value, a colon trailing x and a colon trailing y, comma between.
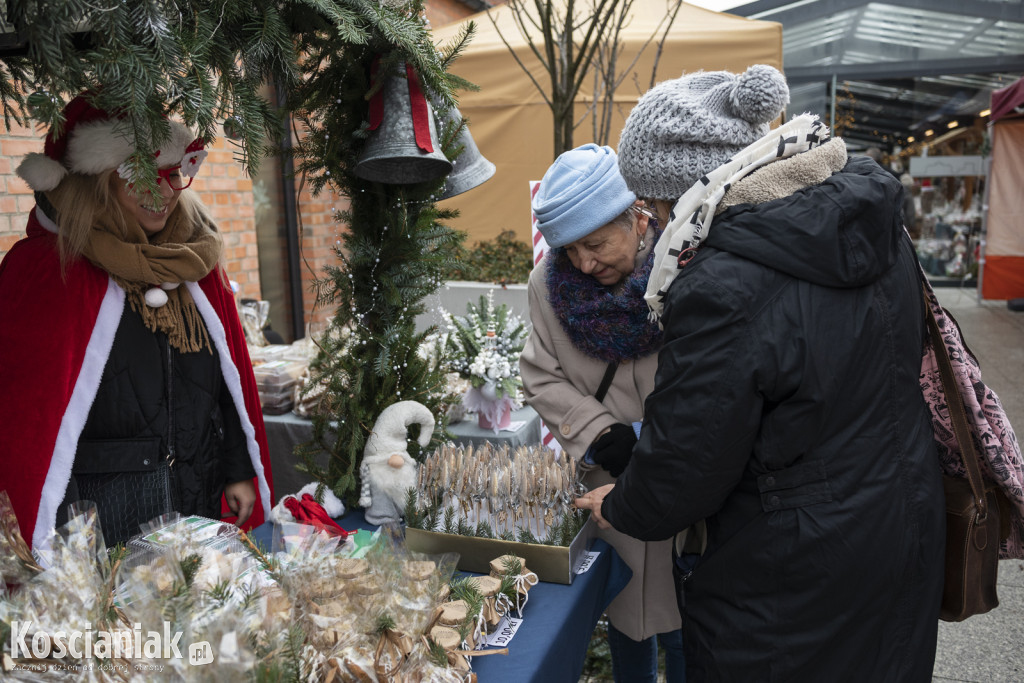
x: 608, y: 327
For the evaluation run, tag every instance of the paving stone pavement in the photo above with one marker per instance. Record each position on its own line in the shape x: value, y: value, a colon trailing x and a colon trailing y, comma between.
x: 990, y: 648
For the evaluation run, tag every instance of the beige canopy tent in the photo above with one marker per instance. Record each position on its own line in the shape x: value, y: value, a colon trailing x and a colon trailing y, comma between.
x: 512, y: 125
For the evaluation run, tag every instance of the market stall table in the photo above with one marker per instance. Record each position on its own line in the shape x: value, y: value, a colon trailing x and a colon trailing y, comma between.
x: 551, y: 644
x: 286, y: 431
x: 469, y: 432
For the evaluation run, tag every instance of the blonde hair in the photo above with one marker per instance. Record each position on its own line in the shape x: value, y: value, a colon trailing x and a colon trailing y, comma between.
x: 81, y: 199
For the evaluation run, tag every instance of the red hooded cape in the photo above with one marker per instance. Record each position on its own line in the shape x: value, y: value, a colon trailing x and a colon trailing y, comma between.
x: 56, y: 332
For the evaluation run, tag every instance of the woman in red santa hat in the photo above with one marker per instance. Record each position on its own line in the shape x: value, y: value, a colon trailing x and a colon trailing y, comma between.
x: 125, y: 379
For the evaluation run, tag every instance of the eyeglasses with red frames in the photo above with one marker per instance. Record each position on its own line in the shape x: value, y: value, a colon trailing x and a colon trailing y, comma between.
x: 176, y: 180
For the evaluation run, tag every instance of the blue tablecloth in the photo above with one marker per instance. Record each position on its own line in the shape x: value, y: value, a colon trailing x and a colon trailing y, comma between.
x: 551, y: 644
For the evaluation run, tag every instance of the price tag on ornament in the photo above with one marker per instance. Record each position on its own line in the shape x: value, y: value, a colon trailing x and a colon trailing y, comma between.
x: 587, y: 561
x: 504, y: 632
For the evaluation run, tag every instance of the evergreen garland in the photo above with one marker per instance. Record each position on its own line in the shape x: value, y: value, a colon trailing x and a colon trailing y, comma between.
x: 393, y: 252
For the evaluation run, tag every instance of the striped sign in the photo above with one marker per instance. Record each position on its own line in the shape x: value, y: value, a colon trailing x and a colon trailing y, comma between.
x: 539, y: 245
x: 539, y: 248
x: 548, y: 439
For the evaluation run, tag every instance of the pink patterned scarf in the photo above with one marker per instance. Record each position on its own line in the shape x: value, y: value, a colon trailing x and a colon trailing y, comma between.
x: 1001, y: 458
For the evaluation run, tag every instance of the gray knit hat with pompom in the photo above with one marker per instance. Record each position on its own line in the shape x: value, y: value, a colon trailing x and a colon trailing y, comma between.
x: 682, y: 129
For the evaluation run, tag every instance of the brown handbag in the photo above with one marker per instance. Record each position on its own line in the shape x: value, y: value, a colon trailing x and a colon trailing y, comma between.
x: 977, y: 515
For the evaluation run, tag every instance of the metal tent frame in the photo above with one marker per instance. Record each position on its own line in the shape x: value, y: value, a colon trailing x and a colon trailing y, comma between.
x: 900, y: 67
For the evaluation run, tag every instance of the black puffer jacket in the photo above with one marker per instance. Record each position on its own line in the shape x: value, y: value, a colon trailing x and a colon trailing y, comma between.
x: 787, y: 413
x: 162, y: 435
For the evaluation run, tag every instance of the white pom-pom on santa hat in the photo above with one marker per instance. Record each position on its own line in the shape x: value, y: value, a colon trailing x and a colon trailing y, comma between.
x: 41, y: 172
x: 279, y: 514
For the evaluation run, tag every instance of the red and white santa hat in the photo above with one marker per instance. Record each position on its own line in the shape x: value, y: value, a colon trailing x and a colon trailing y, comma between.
x: 94, y: 142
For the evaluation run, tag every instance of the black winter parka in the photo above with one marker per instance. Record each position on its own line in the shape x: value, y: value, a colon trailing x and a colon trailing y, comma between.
x: 787, y: 414
x: 162, y: 435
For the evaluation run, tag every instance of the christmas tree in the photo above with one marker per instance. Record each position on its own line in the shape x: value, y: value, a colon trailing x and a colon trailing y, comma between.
x: 394, y: 250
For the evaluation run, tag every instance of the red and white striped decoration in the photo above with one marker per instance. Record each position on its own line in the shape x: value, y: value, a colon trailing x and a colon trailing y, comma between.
x: 539, y: 247
x: 548, y: 439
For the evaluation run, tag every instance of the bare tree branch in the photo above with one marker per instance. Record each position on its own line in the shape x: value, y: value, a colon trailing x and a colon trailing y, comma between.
x: 661, y: 43
x: 577, y: 45
x: 533, y: 48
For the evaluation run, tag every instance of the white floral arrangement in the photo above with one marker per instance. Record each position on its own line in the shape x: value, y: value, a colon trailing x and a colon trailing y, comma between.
x: 484, y: 346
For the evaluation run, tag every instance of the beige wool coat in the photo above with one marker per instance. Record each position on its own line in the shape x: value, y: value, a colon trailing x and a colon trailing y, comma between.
x: 559, y: 382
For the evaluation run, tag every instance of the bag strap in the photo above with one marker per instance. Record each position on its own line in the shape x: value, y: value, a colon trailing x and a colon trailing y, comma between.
x: 957, y: 414
x: 606, y: 381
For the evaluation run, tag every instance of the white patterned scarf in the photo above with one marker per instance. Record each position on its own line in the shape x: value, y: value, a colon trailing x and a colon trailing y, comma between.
x: 692, y: 215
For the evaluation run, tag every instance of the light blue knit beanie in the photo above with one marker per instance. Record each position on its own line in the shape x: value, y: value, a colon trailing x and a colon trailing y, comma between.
x: 581, y: 192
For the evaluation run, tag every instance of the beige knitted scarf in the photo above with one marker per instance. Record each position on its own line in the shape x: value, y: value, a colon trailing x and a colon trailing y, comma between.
x: 181, y: 252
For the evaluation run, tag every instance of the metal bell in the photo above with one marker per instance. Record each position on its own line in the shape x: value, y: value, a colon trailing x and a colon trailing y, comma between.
x: 470, y: 168
x: 392, y: 154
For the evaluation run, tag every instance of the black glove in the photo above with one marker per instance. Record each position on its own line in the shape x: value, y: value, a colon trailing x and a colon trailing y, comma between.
x: 613, y: 450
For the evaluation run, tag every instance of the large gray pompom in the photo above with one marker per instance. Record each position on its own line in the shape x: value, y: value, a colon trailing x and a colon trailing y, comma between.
x: 760, y: 94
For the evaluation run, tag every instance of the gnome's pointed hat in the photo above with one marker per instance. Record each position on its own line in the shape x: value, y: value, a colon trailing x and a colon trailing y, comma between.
x: 93, y: 142
x: 389, y: 432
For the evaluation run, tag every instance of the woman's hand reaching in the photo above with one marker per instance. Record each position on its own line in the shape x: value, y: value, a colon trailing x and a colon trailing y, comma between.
x: 241, y: 497
x: 592, y: 501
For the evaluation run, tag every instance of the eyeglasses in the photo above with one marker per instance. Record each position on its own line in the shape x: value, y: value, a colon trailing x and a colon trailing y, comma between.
x: 176, y: 180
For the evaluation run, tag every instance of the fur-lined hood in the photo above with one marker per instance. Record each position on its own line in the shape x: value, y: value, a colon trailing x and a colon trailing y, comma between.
x: 817, y: 216
x: 784, y: 177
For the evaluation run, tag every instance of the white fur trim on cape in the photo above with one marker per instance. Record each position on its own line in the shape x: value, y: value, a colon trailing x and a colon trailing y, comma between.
x: 45, y: 221
x: 86, y: 385
x: 234, y: 383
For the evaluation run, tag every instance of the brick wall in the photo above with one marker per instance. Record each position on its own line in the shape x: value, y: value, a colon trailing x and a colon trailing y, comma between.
x: 225, y: 188
x: 319, y: 231
x: 15, y: 197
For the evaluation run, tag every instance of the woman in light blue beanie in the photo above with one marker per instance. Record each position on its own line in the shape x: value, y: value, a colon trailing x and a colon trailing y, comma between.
x: 591, y: 328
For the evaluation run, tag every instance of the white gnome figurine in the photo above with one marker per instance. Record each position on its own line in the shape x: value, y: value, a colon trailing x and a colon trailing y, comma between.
x: 388, y: 471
